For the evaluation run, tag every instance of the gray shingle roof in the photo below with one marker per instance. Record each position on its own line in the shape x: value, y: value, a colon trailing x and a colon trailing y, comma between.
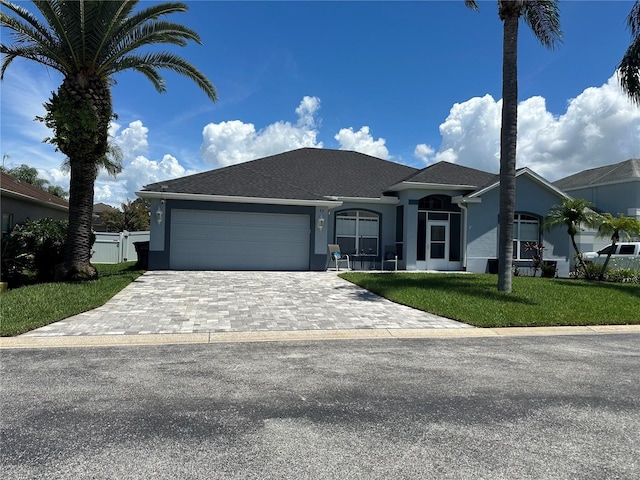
x: 626, y: 170
x: 12, y: 184
x: 304, y: 174
x: 446, y: 173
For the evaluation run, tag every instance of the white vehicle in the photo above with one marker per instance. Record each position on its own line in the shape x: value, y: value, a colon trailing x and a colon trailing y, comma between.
x: 619, y: 250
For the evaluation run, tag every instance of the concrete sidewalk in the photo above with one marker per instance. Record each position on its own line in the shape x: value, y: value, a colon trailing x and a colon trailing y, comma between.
x: 25, y: 341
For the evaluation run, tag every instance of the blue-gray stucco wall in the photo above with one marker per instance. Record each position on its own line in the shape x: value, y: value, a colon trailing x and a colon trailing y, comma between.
x: 482, y: 227
x: 616, y: 198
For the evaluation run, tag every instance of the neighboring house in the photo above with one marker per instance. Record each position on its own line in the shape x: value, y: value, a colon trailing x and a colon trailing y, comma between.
x: 281, y: 212
x: 612, y: 188
x: 99, y: 209
x: 22, y: 201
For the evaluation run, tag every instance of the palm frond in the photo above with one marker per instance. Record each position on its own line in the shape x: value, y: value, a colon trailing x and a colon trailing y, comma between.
x: 471, y: 4
x: 32, y: 40
x: 154, y: 77
x: 629, y: 67
x: 620, y: 227
x: 572, y: 212
x: 543, y: 16
x: 118, y: 13
x: 170, y: 62
x: 150, y: 34
x: 633, y: 19
x: 28, y: 53
x: 64, y: 19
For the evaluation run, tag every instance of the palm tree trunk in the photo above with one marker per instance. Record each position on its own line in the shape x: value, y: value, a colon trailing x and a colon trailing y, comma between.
x: 80, y: 113
x: 508, y: 142
x: 579, y: 256
x: 77, y: 258
x: 606, y: 262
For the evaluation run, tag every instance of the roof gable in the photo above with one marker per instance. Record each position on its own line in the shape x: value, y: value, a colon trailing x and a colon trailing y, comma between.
x: 447, y: 173
x: 629, y: 170
x: 525, y: 171
x: 28, y: 192
x: 304, y: 174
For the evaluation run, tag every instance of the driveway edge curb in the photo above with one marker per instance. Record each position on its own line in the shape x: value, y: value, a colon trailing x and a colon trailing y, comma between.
x: 305, y: 335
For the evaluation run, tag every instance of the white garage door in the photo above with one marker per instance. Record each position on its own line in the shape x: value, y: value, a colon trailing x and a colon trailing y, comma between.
x: 206, y: 240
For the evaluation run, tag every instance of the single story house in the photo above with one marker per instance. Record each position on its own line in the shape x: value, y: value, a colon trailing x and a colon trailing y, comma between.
x: 612, y: 188
x: 282, y: 211
x: 22, y: 201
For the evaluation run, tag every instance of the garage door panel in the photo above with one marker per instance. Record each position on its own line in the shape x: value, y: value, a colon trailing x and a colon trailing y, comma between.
x: 208, y: 240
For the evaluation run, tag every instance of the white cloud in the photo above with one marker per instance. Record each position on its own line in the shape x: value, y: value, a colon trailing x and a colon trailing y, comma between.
x: 600, y: 127
x: 307, y: 110
x: 471, y: 134
x: 362, y: 141
x: 136, y: 174
x: 232, y: 142
x: 132, y: 139
x: 423, y: 152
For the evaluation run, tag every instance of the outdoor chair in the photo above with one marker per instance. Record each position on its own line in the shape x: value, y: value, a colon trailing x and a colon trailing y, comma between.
x: 337, y: 256
x: 390, y: 255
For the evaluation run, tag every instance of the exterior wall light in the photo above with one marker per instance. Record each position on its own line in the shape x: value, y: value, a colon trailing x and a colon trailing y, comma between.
x: 160, y: 212
x: 321, y: 222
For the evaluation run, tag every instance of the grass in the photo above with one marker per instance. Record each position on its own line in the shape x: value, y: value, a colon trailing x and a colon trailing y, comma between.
x: 34, y: 306
x: 474, y: 299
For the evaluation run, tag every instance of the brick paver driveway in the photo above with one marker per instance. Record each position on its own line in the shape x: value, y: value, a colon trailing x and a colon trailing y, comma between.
x: 197, y: 302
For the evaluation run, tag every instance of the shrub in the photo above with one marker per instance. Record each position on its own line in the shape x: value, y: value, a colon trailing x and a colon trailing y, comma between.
x: 623, y: 275
x: 14, y: 261
x: 36, y: 245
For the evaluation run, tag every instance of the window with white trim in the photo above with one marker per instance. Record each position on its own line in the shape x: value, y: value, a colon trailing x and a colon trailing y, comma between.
x: 357, y: 232
x: 526, y: 228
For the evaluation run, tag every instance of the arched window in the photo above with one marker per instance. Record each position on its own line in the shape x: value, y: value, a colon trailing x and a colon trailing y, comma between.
x: 526, y: 228
x: 431, y: 202
x: 357, y: 232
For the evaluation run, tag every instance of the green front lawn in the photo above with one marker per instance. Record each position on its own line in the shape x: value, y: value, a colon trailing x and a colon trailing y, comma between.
x: 474, y: 299
x: 33, y: 306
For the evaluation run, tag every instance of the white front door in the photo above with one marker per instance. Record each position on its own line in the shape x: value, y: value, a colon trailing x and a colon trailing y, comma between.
x: 437, y: 245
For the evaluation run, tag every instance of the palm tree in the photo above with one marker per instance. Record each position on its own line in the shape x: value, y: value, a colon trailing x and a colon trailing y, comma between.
x: 89, y: 41
x: 615, y: 228
x: 574, y: 213
x: 543, y: 18
x: 629, y: 68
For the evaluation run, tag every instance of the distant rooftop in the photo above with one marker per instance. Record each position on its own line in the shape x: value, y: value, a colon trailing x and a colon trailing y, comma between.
x: 627, y: 170
x: 25, y: 190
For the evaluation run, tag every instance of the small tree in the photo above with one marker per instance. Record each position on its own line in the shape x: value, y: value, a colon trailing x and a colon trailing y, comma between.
x: 615, y: 228
x: 573, y: 212
x: 133, y: 216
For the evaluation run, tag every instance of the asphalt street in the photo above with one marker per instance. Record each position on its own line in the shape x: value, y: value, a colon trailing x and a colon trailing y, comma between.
x: 560, y: 407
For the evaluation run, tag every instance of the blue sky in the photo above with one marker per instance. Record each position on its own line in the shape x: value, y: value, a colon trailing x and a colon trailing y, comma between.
x: 412, y: 82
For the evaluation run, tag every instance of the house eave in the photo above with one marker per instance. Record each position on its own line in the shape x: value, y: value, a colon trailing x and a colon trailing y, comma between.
x: 236, y: 199
x: 463, y: 199
x: 428, y: 186
x: 35, y: 201
x: 386, y: 200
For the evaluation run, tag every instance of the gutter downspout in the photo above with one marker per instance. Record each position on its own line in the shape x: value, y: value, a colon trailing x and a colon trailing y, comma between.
x: 460, y: 201
x: 464, y: 235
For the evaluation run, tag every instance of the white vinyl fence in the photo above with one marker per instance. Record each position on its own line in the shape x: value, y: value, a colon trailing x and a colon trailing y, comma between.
x: 116, y: 247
